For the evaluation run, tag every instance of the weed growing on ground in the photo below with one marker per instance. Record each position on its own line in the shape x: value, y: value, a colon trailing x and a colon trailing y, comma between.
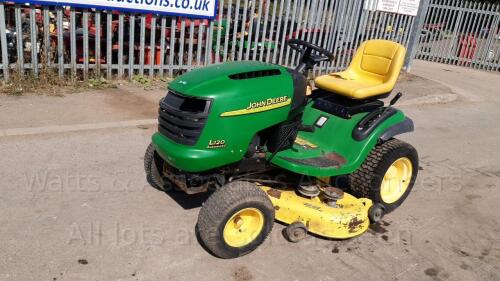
x: 48, y: 82
x: 151, y: 83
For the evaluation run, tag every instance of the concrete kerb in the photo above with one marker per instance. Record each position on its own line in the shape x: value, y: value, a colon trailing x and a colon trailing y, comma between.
x: 76, y: 127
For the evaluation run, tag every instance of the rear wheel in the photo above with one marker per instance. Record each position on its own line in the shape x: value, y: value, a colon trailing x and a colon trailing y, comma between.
x: 387, y: 175
x: 235, y: 219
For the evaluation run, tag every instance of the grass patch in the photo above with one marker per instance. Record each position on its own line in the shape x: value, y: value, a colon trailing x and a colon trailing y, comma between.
x: 99, y: 83
x: 151, y: 83
x: 49, y: 83
x: 45, y: 83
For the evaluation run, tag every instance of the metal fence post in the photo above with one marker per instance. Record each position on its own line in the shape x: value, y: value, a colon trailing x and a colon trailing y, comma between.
x: 415, y: 34
x: 3, y: 39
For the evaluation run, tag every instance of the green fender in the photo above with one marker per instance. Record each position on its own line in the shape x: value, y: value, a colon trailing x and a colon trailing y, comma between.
x: 336, y: 138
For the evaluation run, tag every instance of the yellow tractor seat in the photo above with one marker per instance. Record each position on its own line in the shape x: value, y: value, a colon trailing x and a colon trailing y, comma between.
x: 373, y: 71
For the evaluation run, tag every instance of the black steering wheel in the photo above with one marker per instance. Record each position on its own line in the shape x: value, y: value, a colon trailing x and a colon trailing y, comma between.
x: 306, y: 50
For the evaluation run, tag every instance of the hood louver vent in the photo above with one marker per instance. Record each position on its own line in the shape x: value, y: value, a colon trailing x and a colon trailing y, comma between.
x: 255, y: 74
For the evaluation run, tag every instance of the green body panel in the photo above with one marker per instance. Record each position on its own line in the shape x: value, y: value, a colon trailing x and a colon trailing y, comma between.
x: 227, y: 95
x: 334, y: 137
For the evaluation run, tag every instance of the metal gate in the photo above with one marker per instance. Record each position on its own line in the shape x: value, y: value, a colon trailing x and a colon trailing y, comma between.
x: 459, y: 32
x: 84, y: 42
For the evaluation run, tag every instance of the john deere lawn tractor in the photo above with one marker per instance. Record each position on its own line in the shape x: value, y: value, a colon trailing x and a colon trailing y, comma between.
x: 327, y: 163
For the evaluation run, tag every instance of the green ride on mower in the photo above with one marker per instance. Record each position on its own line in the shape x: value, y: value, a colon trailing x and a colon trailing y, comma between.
x: 325, y: 163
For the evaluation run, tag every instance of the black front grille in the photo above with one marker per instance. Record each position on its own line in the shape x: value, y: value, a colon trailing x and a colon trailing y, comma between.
x: 182, y: 118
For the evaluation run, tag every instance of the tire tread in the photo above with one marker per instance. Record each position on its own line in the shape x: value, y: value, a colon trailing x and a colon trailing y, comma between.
x: 153, y: 176
x: 361, y: 182
x: 222, y: 201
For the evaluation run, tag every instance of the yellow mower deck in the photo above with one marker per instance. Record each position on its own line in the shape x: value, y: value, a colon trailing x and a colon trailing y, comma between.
x: 348, y: 219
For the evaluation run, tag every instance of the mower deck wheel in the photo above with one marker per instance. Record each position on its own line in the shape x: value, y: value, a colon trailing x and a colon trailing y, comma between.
x: 295, y: 232
x: 376, y: 213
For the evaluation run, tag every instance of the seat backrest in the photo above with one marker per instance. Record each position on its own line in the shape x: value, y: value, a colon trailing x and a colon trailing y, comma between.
x: 378, y: 60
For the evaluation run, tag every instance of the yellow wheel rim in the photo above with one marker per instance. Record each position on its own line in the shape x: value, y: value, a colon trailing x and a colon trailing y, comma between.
x: 396, y: 180
x: 243, y: 227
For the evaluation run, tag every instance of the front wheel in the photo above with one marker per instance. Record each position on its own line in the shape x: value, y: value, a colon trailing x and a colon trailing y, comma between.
x: 153, y: 165
x: 387, y: 175
x: 235, y: 219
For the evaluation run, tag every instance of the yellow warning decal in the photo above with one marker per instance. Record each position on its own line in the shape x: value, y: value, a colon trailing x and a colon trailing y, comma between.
x: 302, y: 142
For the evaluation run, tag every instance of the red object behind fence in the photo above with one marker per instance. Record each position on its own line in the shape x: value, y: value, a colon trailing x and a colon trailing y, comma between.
x: 467, y: 46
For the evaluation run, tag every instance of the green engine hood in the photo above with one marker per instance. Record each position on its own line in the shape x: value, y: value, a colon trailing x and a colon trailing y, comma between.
x: 214, y: 81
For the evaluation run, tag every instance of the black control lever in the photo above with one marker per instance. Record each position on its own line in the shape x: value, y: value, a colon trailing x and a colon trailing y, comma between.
x: 373, y: 119
x: 365, y: 122
x: 395, y: 99
x: 392, y: 102
x: 307, y: 128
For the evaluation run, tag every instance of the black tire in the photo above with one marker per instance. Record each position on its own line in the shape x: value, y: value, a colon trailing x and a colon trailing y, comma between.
x: 152, y: 165
x: 220, y: 208
x: 366, y: 181
x: 376, y: 213
x: 295, y: 232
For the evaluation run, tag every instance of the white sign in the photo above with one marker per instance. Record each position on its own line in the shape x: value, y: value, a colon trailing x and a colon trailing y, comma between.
x: 390, y: 6
x: 405, y: 7
x: 189, y: 8
x: 408, y: 7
